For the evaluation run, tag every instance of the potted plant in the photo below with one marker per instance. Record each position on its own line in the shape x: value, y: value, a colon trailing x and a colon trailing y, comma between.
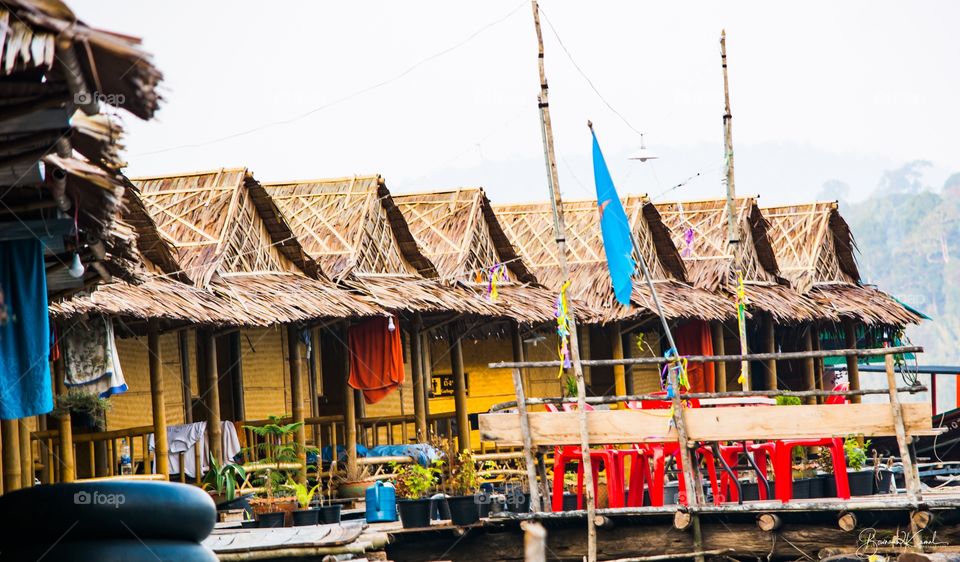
x: 354, y: 483
x: 305, y: 515
x: 279, y: 464
x: 87, y: 411
x: 464, y: 482
x: 221, y: 483
x: 860, y: 480
x: 413, y: 483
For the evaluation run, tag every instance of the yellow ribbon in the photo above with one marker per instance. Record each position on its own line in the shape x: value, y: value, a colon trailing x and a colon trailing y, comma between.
x: 741, y: 313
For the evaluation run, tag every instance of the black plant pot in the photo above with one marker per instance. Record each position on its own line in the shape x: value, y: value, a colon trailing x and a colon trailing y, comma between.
x: 861, y: 482
x: 801, y: 488
x: 249, y: 524
x: 569, y: 501
x: 749, y: 491
x: 817, y: 484
x: 439, y: 510
x: 238, y: 502
x: 517, y: 502
x: 305, y: 517
x: 271, y: 520
x: 884, y: 482
x: 330, y: 514
x: 414, y: 513
x: 464, y: 510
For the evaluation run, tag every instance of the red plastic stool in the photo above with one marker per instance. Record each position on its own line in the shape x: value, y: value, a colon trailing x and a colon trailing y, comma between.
x: 783, y: 465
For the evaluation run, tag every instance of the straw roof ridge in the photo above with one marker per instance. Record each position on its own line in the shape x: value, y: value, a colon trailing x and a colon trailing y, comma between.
x: 459, y: 231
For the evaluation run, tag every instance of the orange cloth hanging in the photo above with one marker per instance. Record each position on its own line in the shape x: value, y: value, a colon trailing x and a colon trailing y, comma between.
x: 376, y: 358
x: 694, y: 338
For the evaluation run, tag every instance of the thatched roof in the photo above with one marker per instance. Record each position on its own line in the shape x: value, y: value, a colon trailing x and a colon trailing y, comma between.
x: 57, y: 149
x: 530, y: 228
x: 699, y: 231
x: 814, y: 247
x: 353, y: 228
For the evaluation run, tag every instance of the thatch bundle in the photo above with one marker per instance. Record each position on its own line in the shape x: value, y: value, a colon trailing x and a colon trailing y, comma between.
x: 530, y: 228
x: 700, y: 232
x: 814, y: 248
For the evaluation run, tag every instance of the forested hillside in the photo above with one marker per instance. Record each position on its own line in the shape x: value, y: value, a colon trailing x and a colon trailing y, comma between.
x: 908, y: 235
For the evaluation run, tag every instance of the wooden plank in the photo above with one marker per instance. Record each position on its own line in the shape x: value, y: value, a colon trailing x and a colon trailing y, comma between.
x: 709, y: 424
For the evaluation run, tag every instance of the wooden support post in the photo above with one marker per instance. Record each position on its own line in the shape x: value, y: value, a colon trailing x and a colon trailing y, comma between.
x: 682, y: 520
x: 768, y: 522
x: 627, y: 344
x: 911, y: 479
x: 922, y: 519
x: 160, y: 446
x: 809, y: 370
x: 416, y: 368
x: 847, y: 521
x: 296, y: 398
x: 619, y: 373
x: 853, y: 368
x: 527, y: 442
x: 68, y: 471
x: 534, y: 542
x: 516, y: 343
x: 183, y: 342
x: 770, y: 346
x: 426, y: 365
x: 214, y: 431
x: 545, y: 488
x: 11, y: 455
x: 349, y: 410
x: 26, y: 454
x: 817, y: 361
x: 720, y: 367
x: 459, y: 389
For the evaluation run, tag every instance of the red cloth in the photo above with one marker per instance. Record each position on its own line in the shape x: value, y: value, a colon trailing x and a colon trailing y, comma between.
x: 694, y: 338
x: 376, y: 358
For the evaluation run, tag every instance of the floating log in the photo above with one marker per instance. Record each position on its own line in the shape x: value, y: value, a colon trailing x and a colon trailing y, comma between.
x: 682, y: 520
x: 921, y: 519
x: 847, y: 521
x: 769, y: 522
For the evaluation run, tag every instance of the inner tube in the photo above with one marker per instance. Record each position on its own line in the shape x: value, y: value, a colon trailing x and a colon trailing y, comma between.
x: 106, y: 510
x: 127, y: 550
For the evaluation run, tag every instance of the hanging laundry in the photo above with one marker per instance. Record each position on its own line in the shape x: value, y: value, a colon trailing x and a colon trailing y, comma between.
x: 376, y: 359
x: 25, y: 385
x: 90, y: 357
x: 694, y: 338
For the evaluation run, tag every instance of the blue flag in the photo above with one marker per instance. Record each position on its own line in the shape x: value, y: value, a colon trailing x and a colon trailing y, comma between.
x: 617, y: 241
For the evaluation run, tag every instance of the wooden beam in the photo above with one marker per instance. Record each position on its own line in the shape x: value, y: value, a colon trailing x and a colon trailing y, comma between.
x: 459, y: 389
x: 616, y: 352
x: 161, y: 448
x: 416, y: 368
x: 710, y: 424
x: 21, y: 230
x: 901, y: 424
x: 853, y: 368
x: 185, y: 388
x: 214, y: 431
x: 296, y: 398
x: 527, y: 443
x: 426, y: 364
x: 720, y: 367
x: 26, y: 454
x: 349, y: 409
x: 68, y: 471
x: 809, y: 369
x: 770, y: 346
x: 11, y: 455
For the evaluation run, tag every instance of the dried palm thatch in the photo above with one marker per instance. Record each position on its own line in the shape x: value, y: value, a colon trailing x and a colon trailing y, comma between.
x: 224, y: 235
x: 353, y: 228
x: 814, y: 247
x: 530, y: 228
x: 699, y: 230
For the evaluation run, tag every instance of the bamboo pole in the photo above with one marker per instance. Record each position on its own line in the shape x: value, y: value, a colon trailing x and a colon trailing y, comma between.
x: 817, y: 362
x: 770, y: 346
x: 716, y: 331
x: 67, y: 460
x: 416, y: 368
x: 183, y: 342
x: 626, y: 343
x: 296, y: 398
x: 528, y: 459
x: 534, y: 542
x: 26, y: 454
x: 732, y: 234
x: 426, y: 365
x: 11, y: 455
x: 214, y: 431
x: 559, y: 227
x: 911, y: 479
x: 809, y: 370
x: 160, y: 446
x: 459, y: 389
x: 349, y: 411
x: 516, y: 344
x: 616, y: 352
x: 853, y: 368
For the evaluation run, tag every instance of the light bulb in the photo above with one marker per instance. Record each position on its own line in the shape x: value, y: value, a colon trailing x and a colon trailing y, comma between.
x: 390, y: 325
x: 76, y: 268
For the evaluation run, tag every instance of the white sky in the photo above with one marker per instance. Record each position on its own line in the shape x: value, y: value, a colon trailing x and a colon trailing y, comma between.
x: 821, y: 90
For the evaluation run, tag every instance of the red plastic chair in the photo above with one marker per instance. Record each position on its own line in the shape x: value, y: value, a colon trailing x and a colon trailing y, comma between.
x: 783, y: 458
x: 731, y: 456
x: 658, y: 454
x: 609, y: 457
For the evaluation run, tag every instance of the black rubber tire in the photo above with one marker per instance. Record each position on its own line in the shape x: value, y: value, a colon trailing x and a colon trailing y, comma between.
x: 105, y: 510
x: 113, y: 550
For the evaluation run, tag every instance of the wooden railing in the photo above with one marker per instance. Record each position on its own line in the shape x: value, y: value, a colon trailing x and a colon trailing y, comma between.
x: 95, y: 454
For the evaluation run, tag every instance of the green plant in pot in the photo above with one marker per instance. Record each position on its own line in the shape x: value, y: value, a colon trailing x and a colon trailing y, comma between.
x: 859, y: 479
x: 413, y: 483
x: 305, y: 515
x: 221, y: 482
x: 464, y: 483
x: 278, y: 463
x: 87, y: 411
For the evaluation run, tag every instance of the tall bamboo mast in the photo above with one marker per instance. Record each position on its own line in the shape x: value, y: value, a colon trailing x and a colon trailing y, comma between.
x: 561, y: 237
x: 732, y: 235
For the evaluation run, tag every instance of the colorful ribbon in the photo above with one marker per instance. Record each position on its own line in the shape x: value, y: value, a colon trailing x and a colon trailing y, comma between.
x: 741, y: 314
x: 562, y: 314
x: 688, y: 238
x: 497, y: 274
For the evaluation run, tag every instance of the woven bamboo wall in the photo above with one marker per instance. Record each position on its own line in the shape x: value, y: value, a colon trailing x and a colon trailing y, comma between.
x: 134, y: 407
x: 265, y: 379
x: 390, y: 406
x: 486, y: 386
